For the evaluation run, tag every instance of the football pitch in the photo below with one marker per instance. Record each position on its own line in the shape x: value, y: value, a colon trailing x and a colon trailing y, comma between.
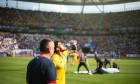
x: 13, y: 71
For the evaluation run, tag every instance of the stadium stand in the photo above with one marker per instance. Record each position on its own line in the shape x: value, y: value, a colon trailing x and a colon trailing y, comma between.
x: 34, y: 18
x: 16, y: 17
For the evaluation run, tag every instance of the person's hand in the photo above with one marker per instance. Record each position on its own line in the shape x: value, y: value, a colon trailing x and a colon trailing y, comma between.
x: 71, y: 41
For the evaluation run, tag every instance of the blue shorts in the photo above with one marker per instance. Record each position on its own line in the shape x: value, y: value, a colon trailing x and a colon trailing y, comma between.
x: 68, y: 57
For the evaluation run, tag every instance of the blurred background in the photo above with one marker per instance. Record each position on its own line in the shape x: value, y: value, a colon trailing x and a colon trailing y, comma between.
x: 103, y: 26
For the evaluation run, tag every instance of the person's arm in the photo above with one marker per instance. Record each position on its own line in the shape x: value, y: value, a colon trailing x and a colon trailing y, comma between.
x: 97, y: 65
x: 74, y: 46
x: 117, y: 66
x: 110, y: 64
x: 104, y: 63
x: 97, y: 61
x: 87, y: 61
x: 51, y: 73
x: 66, y: 53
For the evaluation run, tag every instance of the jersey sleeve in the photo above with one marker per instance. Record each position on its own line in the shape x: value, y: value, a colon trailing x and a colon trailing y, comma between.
x: 51, y: 73
x: 66, y: 53
x: 77, y: 53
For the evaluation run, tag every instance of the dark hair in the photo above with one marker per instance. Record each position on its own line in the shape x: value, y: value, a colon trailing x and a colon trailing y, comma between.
x: 44, y: 44
x: 56, y: 44
x: 74, y: 47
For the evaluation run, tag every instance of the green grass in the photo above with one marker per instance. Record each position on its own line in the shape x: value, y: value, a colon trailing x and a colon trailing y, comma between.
x: 13, y: 71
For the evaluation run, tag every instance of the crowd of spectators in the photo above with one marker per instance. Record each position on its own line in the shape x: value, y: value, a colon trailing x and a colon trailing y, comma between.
x: 31, y: 41
x: 125, y: 44
x: 22, y: 41
x: 18, y: 17
x: 46, y: 19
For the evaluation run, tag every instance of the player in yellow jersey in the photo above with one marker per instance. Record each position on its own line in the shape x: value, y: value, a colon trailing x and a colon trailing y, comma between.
x: 60, y: 59
x: 75, y: 55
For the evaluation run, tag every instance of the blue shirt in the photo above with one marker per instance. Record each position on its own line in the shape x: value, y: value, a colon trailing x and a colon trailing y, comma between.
x: 41, y: 70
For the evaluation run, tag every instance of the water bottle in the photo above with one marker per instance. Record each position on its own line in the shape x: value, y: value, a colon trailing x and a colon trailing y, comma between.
x: 67, y: 44
x: 73, y: 42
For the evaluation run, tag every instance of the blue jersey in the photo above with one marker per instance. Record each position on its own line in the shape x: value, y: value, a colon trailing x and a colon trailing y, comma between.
x: 119, y: 55
x: 68, y: 57
x: 41, y: 70
x: 105, y: 55
x: 79, y: 54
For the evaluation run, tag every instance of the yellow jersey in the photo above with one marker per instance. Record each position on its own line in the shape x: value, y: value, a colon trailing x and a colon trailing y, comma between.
x: 75, y: 56
x: 66, y: 53
x: 60, y: 65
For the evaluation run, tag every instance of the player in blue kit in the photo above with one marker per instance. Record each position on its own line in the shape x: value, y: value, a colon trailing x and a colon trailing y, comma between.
x: 68, y: 57
x: 105, y: 55
x: 119, y: 55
